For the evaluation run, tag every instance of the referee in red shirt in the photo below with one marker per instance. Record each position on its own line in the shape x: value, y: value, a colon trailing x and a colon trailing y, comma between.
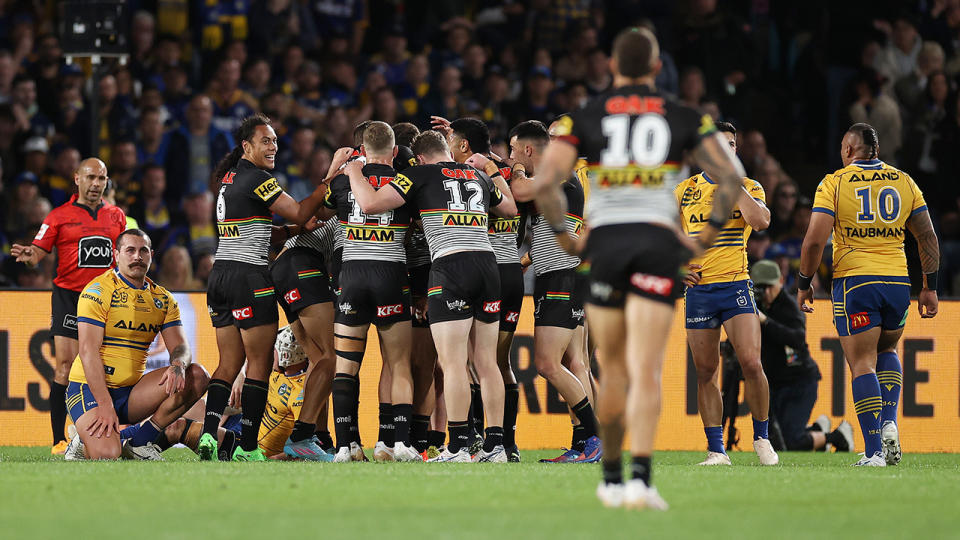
x: 83, y: 231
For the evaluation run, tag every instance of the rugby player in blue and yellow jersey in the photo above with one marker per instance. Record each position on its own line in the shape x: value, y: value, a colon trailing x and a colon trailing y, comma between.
x: 720, y: 293
x: 868, y: 206
x: 119, y: 314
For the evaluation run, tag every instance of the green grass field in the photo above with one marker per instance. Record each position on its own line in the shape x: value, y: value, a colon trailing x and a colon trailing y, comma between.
x: 809, y: 496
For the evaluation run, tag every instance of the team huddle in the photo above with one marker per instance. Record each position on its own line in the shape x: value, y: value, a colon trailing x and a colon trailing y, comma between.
x: 420, y: 234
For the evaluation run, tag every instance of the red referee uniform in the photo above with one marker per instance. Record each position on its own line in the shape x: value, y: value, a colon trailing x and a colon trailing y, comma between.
x: 84, y: 240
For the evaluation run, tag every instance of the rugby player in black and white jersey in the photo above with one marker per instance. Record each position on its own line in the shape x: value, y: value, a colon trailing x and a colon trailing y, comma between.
x: 303, y: 291
x: 633, y: 138
x: 464, y: 289
x: 466, y: 137
x: 240, y: 294
x: 558, y: 295
x: 373, y: 289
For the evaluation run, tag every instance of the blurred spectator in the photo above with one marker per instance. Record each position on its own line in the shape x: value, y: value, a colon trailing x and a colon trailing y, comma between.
x: 415, y: 86
x: 393, y: 57
x: 909, y: 88
x: 757, y: 245
x: 45, y: 71
x: 199, y: 234
x: 176, y: 94
x: 8, y: 70
x: 753, y: 152
x: 597, y: 77
x: 337, y: 131
x: 310, y: 101
x: 692, y: 87
x: 458, y: 36
x: 495, y: 105
x: 572, y: 65
x: 947, y: 157
x: 898, y: 57
x: 347, y: 18
x: 342, y: 83
x: 783, y: 202
x: 256, y: 77
x: 142, y: 35
x: 204, y: 264
x: 115, y: 117
x: 153, y: 142
x: 151, y: 210
x: 474, y: 71
x: 57, y: 184
x: 918, y: 155
x: 25, y: 190
x: 231, y: 104
x: 536, y: 103
x: 444, y: 99
x: 35, y: 155
x: 287, y: 76
x: 786, y: 249
x: 292, y: 163
x: 768, y: 174
x: 123, y: 173
x: 280, y: 22
x: 176, y: 270
x: 198, y: 147
x: 880, y: 111
x: 385, y: 106
x: 27, y: 112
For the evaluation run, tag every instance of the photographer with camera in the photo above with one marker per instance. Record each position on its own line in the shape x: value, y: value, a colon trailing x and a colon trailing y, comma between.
x: 792, y: 373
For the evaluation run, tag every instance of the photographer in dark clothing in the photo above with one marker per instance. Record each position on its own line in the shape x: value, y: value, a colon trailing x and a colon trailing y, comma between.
x: 791, y: 372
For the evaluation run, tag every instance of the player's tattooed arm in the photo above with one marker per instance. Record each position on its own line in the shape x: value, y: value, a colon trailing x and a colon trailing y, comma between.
x: 714, y: 156
x: 921, y: 227
x: 180, y: 355
x: 554, y: 167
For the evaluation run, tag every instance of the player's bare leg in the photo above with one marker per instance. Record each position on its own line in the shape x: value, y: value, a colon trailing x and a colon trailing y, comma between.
x: 452, y: 358
x: 396, y: 343
x: 258, y: 343
x: 511, y: 395
x: 314, y: 332
x: 65, y: 351
x: 231, y: 358
x: 744, y: 333
x: 187, y: 432
x: 350, y: 343
x: 705, y: 347
x: 610, y: 335
x: 485, y: 336
x: 423, y: 360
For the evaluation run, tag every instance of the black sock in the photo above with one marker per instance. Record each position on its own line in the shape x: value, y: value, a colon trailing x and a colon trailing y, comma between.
x: 814, y: 427
x: 418, y: 432
x: 302, y: 431
x: 227, y: 446
x: 459, y: 436
x: 386, y: 435
x: 838, y: 441
x: 186, y: 430
x: 588, y: 422
x: 355, y: 411
x: 640, y: 468
x: 401, y: 423
x: 579, y: 439
x: 218, y: 394
x: 163, y: 442
x: 493, y: 438
x: 476, y: 408
x: 436, y: 438
x: 511, y: 400
x: 325, y: 441
x: 612, y: 471
x: 254, y: 399
x: 58, y: 411
x: 343, y: 385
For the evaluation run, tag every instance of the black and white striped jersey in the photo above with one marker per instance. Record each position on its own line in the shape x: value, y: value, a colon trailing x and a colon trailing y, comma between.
x: 243, y: 214
x: 546, y: 253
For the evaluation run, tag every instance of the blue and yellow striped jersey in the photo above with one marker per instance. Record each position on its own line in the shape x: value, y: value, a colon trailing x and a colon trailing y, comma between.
x: 131, y: 318
x: 870, y: 202
x: 726, y: 260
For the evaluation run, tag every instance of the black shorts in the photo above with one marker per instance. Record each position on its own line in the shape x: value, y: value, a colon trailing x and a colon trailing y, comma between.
x: 241, y: 294
x: 464, y: 285
x: 639, y: 258
x: 558, y: 298
x: 301, y: 280
x: 333, y: 270
x: 419, y: 277
x: 373, y: 292
x: 511, y: 295
x: 63, y: 312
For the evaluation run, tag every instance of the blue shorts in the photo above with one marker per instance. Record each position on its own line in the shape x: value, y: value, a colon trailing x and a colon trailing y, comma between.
x: 80, y: 400
x: 709, y: 306
x: 863, y: 302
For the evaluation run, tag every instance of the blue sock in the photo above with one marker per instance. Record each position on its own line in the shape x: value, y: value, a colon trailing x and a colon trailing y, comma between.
x: 714, y: 438
x: 129, y: 431
x: 760, y: 429
x: 890, y: 375
x: 146, y: 434
x: 867, y: 402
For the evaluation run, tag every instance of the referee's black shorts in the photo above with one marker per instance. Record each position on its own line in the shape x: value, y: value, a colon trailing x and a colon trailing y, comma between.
x: 63, y: 310
x: 241, y: 294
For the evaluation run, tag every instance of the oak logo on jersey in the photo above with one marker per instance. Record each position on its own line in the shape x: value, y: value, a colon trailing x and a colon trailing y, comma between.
x: 368, y: 234
x: 138, y: 327
x: 226, y: 230
x: 464, y: 219
x: 94, y: 252
x: 634, y: 105
x: 268, y: 189
x: 462, y: 174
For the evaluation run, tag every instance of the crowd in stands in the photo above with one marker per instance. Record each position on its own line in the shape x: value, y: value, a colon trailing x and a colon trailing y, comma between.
x: 792, y: 76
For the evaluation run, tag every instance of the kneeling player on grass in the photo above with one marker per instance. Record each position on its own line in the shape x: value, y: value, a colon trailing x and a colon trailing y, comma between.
x: 120, y: 313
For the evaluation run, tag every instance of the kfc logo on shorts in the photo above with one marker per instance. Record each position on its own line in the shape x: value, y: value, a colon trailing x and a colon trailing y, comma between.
x: 386, y: 311
x: 94, y: 252
x: 491, y: 307
x: 859, y: 320
x: 292, y: 296
x: 657, y: 285
x: 513, y: 316
x: 243, y: 313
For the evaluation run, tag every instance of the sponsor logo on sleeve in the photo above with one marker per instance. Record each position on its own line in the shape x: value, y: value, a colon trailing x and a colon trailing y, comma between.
x: 42, y: 231
x: 268, y: 189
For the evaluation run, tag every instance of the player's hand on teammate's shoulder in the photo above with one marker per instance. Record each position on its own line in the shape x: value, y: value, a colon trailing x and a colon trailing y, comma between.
x: 355, y: 165
x: 339, y: 158
x: 928, y: 304
x: 693, y: 275
x: 440, y: 124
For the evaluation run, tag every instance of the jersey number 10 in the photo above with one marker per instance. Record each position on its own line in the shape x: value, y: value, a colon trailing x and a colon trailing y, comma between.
x: 887, y: 204
x: 647, y: 143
